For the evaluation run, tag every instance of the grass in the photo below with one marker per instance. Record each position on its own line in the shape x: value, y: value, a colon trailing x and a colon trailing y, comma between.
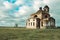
x: 29, y: 34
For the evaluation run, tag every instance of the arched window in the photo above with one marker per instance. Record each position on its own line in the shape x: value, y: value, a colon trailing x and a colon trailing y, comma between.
x: 46, y: 16
x: 33, y: 24
x: 35, y: 16
x: 29, y: 24
x: 41, y: 23
x: 33, y: 19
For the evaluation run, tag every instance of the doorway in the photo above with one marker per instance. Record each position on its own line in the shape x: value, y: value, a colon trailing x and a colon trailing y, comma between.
x: 38, y: 23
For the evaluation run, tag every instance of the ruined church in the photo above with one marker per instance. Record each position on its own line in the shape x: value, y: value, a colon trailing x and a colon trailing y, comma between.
x: 41, y: 19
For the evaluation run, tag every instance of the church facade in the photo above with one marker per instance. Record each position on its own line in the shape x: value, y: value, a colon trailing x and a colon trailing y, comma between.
x: 41, y: 19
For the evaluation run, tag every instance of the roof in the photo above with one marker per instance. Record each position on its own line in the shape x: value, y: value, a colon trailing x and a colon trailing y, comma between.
x: 38, y: 12
x: 46, y: 14
x: 52, y: 18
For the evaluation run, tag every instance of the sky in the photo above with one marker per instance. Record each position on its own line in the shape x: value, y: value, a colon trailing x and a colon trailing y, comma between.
x: 18, y: 11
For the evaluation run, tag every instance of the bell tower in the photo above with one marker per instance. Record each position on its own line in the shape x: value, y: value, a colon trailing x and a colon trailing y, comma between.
x: 46, y: 9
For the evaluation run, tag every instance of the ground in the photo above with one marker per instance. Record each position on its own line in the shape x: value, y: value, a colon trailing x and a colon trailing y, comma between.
x: 29, y: 34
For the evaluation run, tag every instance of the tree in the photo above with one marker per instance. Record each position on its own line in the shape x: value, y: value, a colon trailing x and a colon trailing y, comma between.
x: 16, y: 25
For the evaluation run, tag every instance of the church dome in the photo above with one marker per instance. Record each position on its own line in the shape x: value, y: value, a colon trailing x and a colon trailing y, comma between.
x: 46, y: 6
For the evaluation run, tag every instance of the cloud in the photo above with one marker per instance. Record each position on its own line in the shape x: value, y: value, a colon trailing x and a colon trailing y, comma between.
x: 11, y: 1
x: 36, y: 4
x: 2, y: 14
x: 24, y: 10
x: 20, y: 10
x: 46, y: 1
x: 7, y: 5
x: 19, y: 2
x: 6, y: 23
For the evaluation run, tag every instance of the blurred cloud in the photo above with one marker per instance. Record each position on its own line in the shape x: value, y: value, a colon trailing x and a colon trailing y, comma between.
x: 17, y: 11
x: 19, y: 2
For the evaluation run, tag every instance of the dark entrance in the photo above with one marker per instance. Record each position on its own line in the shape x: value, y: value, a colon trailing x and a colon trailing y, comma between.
x: 35, y: 16
x: 38, y: 23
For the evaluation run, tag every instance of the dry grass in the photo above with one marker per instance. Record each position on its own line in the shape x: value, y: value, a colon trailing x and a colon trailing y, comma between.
x: 29, y: 34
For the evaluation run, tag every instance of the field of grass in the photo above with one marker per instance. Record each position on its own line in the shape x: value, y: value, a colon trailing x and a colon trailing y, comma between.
x: 29, y: 34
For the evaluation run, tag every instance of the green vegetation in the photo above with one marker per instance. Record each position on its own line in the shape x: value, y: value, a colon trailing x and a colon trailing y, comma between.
x: 29, y: 34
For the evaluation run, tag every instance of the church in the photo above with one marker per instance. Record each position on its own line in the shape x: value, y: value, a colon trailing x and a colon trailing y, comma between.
x: 41, y: 19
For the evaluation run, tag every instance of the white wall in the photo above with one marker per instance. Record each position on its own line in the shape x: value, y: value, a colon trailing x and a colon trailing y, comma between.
x: 31, y: 25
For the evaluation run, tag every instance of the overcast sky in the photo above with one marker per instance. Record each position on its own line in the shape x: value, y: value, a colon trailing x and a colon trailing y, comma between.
x: 17, y: 11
